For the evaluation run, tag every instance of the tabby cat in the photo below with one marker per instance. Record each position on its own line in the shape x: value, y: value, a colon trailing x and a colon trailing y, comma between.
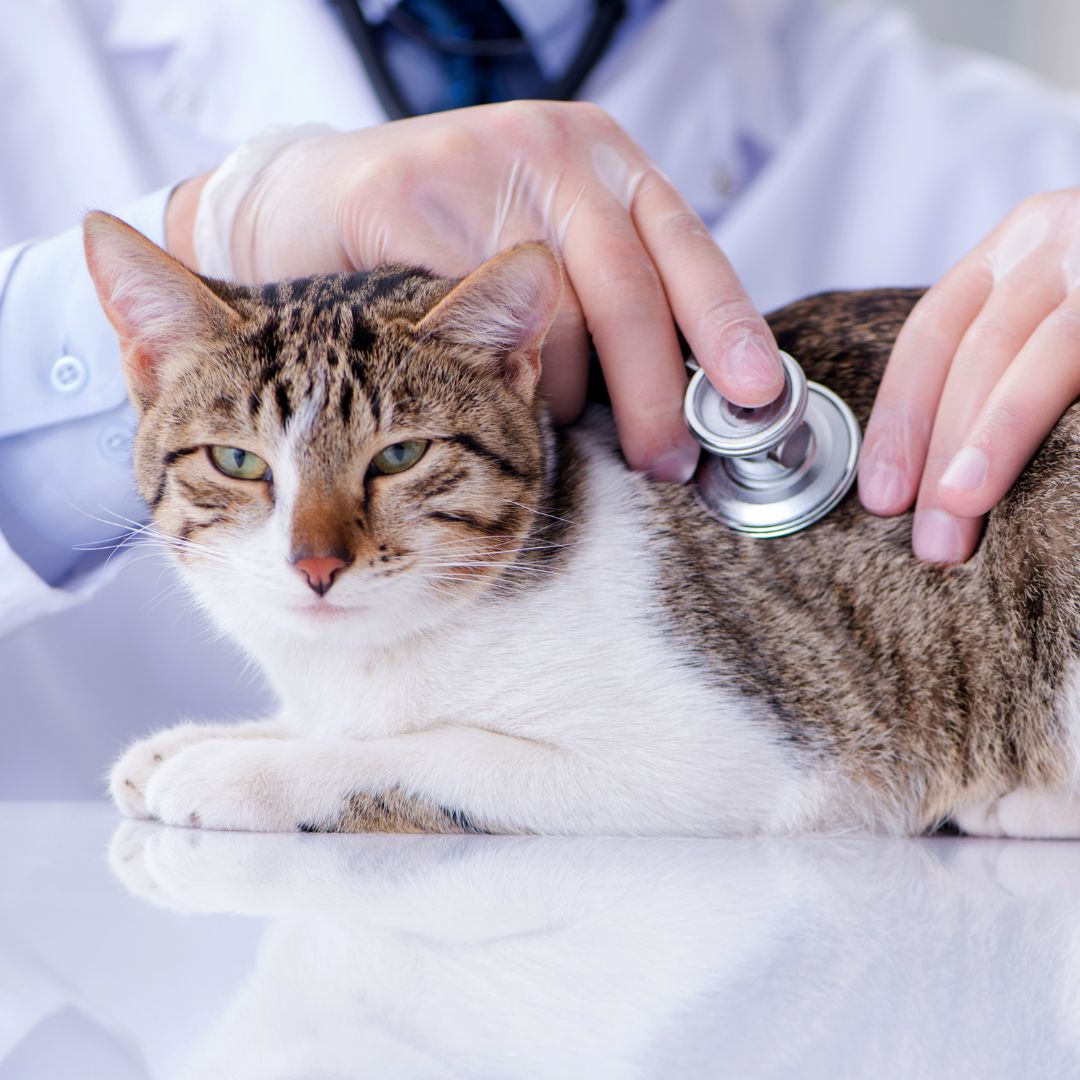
x: 476, y: 623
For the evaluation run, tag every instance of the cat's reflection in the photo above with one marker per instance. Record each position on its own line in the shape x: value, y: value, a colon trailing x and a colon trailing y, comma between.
x: 536, y: 957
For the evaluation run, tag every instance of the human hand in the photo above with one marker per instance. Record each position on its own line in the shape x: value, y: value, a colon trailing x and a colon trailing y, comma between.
x: 449, y: 190
x: 984, y: 367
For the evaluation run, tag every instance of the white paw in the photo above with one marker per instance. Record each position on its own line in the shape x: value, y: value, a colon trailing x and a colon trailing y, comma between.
x: 978, y: 819
x: 131, y: 775
x: 1048, y: 814
x: 1024, y: 813
x: 251, y: 785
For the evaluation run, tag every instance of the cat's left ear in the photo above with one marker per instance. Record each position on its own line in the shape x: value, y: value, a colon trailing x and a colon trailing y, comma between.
x: 507, y: 307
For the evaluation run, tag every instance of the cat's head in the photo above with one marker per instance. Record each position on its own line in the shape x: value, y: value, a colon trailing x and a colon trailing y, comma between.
x: 362, y: 449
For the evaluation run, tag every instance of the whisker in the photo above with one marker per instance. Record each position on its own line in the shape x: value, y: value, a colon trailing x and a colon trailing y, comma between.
x: 474, y: 561
x: 515, y: 567
x: 157, y: 541
x: 124, y: 519
x: 494, y: 553
x: 539, y: 543
x: 161, y: 595
x: 105, y: 521
x: 540, y: 513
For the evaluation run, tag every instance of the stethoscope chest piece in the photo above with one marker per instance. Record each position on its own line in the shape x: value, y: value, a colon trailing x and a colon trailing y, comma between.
x: 774, y: 470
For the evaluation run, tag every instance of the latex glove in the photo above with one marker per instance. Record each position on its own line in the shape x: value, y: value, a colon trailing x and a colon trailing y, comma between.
x: 984, y: 367
x: 448, y: 190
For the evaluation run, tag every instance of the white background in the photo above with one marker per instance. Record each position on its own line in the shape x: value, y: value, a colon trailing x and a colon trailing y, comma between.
x: 1042, y: 34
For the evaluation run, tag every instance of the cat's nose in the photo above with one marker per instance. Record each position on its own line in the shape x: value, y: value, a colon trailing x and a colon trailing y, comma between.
x: 320, y: 570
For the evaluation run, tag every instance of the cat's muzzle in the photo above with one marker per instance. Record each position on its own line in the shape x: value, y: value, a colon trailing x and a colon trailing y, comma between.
x: 774, y: 470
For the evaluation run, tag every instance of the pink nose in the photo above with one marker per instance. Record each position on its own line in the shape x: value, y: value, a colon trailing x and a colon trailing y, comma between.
x: 320, y: 570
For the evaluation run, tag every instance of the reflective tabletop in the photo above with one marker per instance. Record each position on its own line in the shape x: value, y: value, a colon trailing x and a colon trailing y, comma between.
x: 134, y: 950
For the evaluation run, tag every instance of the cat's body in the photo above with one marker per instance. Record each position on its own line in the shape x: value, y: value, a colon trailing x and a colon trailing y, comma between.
x: 532, y: 637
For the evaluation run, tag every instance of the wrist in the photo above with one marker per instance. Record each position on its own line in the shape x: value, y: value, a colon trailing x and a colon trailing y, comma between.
x: 180, y: 219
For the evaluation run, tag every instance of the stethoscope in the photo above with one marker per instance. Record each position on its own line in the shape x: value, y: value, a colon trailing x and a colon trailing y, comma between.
x: 774, y: 470
x: 607, y: 14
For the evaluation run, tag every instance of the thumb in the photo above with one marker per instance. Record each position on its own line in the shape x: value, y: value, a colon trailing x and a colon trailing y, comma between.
x: 740, y: 357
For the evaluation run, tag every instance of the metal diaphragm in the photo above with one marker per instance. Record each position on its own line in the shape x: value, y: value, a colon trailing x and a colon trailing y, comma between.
x: 774, y: 470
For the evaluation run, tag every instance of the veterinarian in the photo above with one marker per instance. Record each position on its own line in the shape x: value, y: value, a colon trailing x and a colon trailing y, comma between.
x: 800, y: 146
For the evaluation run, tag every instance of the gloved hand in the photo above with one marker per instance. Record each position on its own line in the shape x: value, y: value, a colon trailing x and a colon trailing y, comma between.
x: 449, y: 190
x: 985, y: 366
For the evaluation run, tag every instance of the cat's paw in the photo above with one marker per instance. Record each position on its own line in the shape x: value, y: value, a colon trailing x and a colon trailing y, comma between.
x: 978, y: 819
x: 1024, y: 813
x: 238, y: 785
x: 131, y: 775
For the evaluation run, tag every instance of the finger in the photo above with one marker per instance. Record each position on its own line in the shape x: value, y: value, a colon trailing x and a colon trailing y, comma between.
x: 898, y: 433
x: 993, y: 341
x: 565, y: 361
x: 727, y: 334
x: 1020, y: 412
x: 627, y: 314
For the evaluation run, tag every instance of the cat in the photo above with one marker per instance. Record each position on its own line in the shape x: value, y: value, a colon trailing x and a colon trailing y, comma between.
x: 477, y: 623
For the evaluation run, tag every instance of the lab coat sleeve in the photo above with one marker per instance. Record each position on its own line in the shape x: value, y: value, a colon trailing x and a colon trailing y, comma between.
x: 65, y: 426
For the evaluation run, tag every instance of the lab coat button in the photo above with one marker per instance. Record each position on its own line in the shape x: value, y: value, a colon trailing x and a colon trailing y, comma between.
x: 115, y: 443
x: 184, y: 99
x: 68, y: 375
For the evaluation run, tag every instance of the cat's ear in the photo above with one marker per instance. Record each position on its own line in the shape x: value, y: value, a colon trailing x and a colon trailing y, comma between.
x: 161, y: 311
x: 507, y: 307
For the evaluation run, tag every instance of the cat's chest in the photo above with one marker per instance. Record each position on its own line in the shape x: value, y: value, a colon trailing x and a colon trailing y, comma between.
x: 559, y: 658
x: 345, y: 691
x: 334, y: 692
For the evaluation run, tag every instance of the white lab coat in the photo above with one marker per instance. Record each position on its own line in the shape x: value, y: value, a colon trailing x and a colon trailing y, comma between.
x: 826, y: 147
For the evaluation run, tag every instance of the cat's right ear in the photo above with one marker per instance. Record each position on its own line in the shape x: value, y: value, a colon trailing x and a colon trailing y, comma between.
x: 161, y: 311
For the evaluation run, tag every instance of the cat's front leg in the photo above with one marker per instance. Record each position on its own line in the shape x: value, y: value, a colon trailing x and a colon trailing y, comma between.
x: 440, y: 780
x: 130, y: 776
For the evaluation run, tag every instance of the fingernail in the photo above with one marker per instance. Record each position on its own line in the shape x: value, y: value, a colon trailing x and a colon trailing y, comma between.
x: 755, y: 369
x: 966, y: 471
x: 676, y: 464
x: 936, y: 537
x: 881, y: 486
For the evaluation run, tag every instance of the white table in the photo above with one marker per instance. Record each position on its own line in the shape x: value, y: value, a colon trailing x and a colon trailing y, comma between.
x: 133, y: 950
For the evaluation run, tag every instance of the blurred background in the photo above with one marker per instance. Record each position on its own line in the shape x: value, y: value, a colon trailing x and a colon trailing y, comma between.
x: 1041, y: 34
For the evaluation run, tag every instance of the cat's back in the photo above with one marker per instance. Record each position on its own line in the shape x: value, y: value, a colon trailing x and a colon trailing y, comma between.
x: 905, y: 673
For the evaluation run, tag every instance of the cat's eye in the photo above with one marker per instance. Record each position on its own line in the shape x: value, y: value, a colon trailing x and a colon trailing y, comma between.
x: 399, y: 457
x: 239, y: 464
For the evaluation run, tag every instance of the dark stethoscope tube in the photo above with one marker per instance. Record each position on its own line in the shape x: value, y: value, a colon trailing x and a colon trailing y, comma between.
x: 606, y: 18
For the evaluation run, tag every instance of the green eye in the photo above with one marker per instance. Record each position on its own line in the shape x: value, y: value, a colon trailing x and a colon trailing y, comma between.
x: 399, y: 457
x: 240, y: 464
